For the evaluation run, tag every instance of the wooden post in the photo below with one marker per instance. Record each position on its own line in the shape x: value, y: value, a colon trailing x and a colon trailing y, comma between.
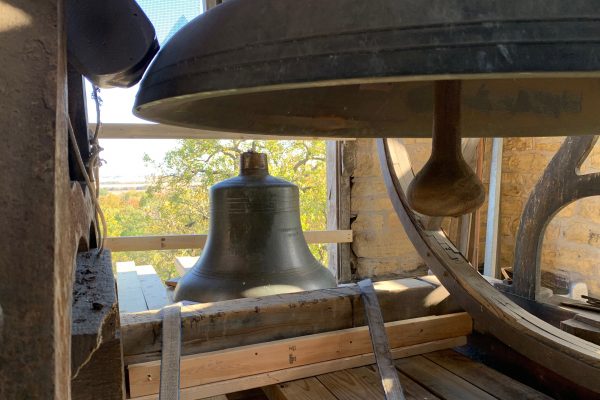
x: 338, y: 206
x: 490, y: 267
x: 44, y: 215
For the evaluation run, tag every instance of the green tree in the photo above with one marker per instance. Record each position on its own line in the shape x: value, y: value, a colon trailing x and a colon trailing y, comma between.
x: 176, y: 201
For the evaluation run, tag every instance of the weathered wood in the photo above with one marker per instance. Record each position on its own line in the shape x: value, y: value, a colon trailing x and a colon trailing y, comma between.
x: 290, y: 374
x: 44, y: 217
x: 560, y: 185
x: 176, y: 242
x: 96, y: 358
x: 171, y: 352
x: 381, y: 349
x: 440, y: 381
x: 485, y: 378
x: 305, y: 389
x: 210, y: 327
x: 131, y: 296
x: 581, y: 329
x: 234, y: 363
x: 567, y: 355
x: 152, y: 287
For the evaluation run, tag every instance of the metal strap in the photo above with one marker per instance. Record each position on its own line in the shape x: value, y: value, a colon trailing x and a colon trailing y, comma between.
x: 381, y: 348
x: 171, y: 352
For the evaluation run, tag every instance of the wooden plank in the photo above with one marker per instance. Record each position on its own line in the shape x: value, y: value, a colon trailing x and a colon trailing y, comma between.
x: 581, y: 329
x: 290, y: 374
x: 171, y: 352
x: 485, y: 378
x: 152, y: 287
x: 389, y: 377
x: 184, y: 263
x: 363, y: 383
x: 222, y: 325
x: 440, y: 381
x: 233, y: 363
x: 131, y: 296
x: 305, y: 389
x: 177, y: 242
x: 493, y: 216
x: 160, y: 131
x: 566, y: 355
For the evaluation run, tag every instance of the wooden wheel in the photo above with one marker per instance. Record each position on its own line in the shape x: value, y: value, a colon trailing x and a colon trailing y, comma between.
x: 565, y: 354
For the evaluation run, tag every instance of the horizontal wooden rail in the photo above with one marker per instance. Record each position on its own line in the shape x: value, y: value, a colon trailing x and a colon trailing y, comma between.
x: 202, y: 369
x: 159, y: 131
x: 176, y: 242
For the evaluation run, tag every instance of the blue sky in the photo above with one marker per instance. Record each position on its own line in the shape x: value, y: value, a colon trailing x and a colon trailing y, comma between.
x: 124, y: 158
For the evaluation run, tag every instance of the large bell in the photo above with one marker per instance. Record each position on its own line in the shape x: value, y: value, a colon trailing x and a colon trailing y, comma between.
x: 255, y: 243
x: 350, y: 68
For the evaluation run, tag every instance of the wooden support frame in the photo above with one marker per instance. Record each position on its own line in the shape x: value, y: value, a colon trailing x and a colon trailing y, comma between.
x: 175, y: 242
x: 573, y: 358
x: 210, y: 327
x: 203, y: 369
x: 560, y: 185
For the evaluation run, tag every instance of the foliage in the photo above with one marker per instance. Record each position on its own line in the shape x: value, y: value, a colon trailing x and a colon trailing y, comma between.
x: 176, y: 201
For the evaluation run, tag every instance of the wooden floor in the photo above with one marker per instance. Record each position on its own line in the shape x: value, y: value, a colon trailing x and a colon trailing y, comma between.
x: 440, y: 375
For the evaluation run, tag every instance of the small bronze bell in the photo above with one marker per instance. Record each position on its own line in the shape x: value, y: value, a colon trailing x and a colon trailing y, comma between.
x: 446, y: 186
x: 255, y: 244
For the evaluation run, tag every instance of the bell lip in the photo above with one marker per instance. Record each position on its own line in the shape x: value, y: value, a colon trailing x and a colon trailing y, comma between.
x: 141, y: 105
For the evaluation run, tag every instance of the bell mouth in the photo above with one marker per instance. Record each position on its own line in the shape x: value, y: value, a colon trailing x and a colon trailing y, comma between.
x: 254, y: 163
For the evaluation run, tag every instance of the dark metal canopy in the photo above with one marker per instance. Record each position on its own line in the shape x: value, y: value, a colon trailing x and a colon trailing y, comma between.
x: 349, y: 68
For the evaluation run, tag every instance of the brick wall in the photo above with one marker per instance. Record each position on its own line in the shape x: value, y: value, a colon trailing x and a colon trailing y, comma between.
x: 572, y: 241
x: 381, y: 248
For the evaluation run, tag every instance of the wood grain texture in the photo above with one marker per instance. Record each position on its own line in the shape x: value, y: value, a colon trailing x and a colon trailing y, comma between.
x: 234, y: 363
x: 487, y: 379
x: 564, y: 354
x: 290, y: 374
x: 440, y: 381
x: 131, y: 295
x: 560, y: 185
x: 210, y: 327
x: 381, y: 349
x: 152, y: 287
x: 305, y: 389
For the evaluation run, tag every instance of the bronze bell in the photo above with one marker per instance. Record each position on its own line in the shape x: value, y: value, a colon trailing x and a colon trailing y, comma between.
x: 446, y: 186
x: 255, y: 244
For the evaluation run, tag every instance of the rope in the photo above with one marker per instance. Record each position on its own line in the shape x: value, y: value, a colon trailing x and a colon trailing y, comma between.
x: 94, y: 166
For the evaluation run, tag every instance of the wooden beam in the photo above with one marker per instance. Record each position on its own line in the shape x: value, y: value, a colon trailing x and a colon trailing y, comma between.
x: 290, y: 374
x: 131, y: 296
x: 232, y: 323
x: 153, y: 289
x: 201, y: 369
x: 566, y: 355
x: 499, y: 385
x: 559, y: 185
x: 160, y: 131
x: 175, y: 242
x: 440, y: 381
x: 493, y: 215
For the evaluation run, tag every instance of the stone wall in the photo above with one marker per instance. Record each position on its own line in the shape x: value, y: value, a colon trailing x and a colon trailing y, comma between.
x: 572, y: 242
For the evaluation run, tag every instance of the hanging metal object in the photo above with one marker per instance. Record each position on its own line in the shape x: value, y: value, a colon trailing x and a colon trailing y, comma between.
x: 110, y: 42
x: 446, y: 186
x: 366, y: 69
x: 255, y: 244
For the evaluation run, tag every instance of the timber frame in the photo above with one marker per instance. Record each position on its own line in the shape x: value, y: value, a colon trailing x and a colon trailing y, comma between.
x: 569, y: 356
